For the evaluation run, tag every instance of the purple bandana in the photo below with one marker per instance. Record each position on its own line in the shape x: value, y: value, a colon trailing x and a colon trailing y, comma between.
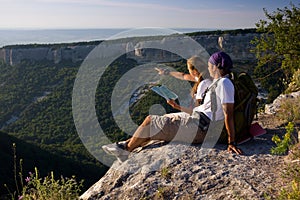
x: 221, y: 59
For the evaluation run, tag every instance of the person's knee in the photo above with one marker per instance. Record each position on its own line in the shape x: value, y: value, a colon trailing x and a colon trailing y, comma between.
x: 147, y: 120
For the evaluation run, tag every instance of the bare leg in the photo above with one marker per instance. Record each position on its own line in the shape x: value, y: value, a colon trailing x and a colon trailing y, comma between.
x: 140, y: 136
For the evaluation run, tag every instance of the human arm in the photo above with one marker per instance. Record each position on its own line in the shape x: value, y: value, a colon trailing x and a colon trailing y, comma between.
x: 228, y: 109
x: 178, y: 75
x: 178, y: 107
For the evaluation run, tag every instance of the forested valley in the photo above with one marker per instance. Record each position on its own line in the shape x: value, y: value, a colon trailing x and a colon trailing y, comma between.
x: 36, y: 115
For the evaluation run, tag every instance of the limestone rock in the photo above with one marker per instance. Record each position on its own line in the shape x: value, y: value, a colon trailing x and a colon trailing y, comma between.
x: 181, y: 171
x: 274, y: 107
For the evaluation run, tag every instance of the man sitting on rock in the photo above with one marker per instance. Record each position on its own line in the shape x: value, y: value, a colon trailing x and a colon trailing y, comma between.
x: 218, y: 105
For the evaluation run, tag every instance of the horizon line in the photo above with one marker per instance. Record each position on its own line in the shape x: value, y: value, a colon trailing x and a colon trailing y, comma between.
x: 93, y: 28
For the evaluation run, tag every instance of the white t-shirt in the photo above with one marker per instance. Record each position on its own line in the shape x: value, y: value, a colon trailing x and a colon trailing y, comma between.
x: 225, y: 94
x: 202, y: 87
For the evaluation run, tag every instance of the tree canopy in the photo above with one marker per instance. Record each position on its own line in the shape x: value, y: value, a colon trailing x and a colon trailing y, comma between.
x: 278, y: 48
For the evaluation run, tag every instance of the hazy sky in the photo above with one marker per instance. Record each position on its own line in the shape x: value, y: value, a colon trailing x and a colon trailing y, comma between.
x: 135, y: 13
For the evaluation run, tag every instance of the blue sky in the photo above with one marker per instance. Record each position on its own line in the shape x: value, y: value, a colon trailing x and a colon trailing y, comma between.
x: 224, y: 14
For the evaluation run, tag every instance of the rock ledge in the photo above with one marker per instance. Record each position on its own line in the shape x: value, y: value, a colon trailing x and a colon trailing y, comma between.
x: 180, y: 171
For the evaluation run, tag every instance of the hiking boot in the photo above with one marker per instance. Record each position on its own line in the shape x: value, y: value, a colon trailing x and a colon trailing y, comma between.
x: 118, y: 150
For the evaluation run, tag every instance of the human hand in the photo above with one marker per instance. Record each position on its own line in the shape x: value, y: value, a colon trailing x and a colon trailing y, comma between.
x: 172, y: 103
x: 160, y: 71
x: 175, y: 118
x: 233, y: 149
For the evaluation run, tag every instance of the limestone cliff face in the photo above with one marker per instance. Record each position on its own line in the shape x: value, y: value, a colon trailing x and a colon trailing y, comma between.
x: 14, y: 56
x: 237, y: 46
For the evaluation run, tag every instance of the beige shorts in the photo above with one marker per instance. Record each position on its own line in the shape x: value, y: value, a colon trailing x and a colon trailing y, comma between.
x: 180, y: 127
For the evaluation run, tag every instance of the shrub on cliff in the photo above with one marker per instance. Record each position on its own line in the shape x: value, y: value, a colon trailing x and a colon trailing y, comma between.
x: 277, y: 48
x: 35, y: 187
x: 295, y: 83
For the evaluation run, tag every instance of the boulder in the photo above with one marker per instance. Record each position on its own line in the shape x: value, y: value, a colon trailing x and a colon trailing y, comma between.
x: 274, y: 107
x: 181, y: 171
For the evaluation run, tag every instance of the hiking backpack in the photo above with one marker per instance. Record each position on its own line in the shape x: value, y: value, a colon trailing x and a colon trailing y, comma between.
x: 245, y: 106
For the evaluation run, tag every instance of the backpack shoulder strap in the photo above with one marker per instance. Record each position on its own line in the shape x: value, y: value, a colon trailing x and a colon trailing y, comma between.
x: 213, y: 99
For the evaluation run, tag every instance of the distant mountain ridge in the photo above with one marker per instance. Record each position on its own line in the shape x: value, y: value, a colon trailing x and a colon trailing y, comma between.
x: 235, y: 42
x: 15, y: 55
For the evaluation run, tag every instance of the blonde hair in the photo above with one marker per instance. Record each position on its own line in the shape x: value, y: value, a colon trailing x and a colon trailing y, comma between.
x: 196, y: 63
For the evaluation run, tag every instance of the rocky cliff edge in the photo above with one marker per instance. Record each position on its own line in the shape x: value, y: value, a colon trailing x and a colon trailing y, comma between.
x: 180, y: 171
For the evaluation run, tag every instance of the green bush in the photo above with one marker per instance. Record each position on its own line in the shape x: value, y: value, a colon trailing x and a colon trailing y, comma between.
x: 291, y: 176
x: 282, y: 145
x: 291, y: 171
x: 292, y: 193
x: 48, y: 188
x: 289, y: 110
x: 295, y: 83
x: 277, y: 49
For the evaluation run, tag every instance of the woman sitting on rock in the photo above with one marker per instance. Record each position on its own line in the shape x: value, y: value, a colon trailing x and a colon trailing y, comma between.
x: 217, y: 106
